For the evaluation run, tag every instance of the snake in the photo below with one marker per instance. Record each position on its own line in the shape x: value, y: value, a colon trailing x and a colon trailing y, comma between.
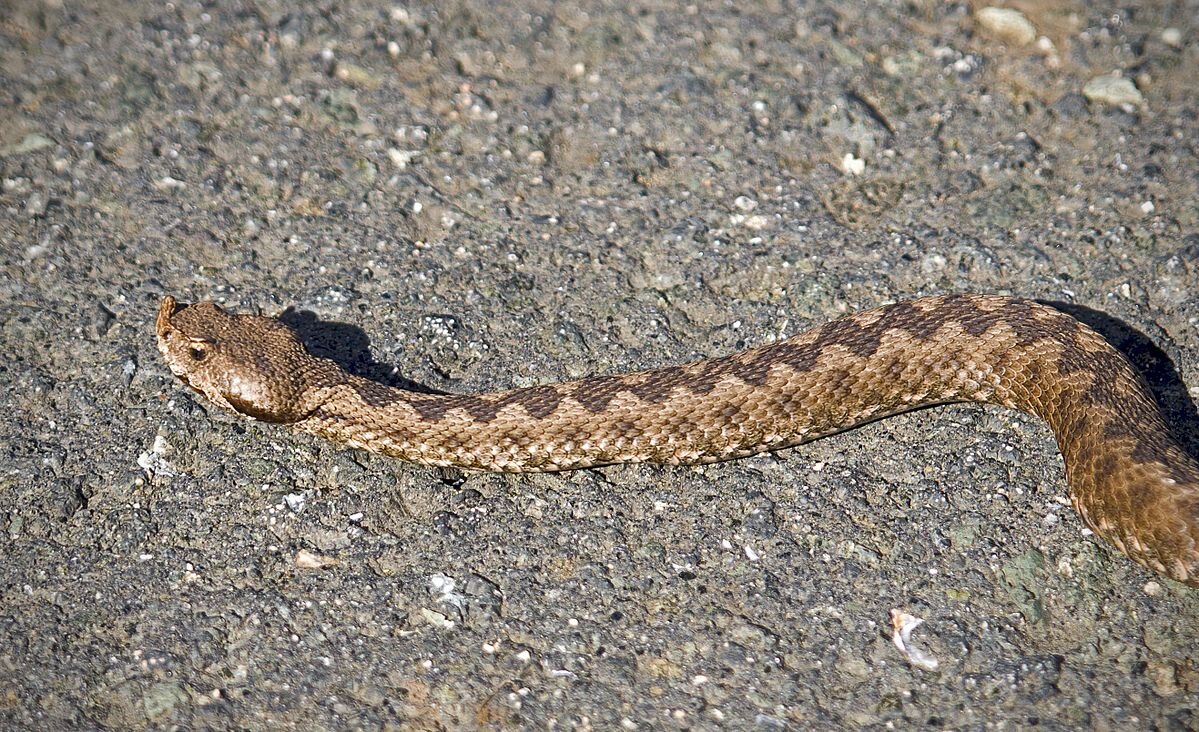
x: 1129, y: 479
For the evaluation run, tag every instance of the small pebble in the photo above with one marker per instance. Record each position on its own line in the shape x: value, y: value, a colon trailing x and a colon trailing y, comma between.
x: 169, y: 184
x: 852, y: 165
x: 307, y: 560
x: 1009, y: 26
x: 757, y: 222
x: 436, y: 619
x: 35, y: 205
x: 1113, y: 90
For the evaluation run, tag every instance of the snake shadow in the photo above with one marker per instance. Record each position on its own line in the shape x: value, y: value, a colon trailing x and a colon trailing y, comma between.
x: 1156, y: 368
x: 349, y: 347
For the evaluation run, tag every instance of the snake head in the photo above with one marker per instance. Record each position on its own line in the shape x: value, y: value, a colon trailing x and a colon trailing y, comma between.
x: 247, y: 364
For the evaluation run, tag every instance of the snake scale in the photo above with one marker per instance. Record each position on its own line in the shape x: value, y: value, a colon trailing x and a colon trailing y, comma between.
x: 1128, y: 478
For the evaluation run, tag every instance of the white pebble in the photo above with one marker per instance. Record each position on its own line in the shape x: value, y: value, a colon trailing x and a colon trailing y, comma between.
x: 1113, y: 90
x: 852, y: 165
x: 167, y: 183
x: 757, y: 222
x: 745, y: 203
x: 1007, y: 25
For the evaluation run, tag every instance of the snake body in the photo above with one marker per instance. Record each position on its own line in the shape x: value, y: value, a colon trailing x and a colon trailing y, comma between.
x: 1128, y: 478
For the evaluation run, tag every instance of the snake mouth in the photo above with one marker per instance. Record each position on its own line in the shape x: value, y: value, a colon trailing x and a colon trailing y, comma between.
x: 165, y: 331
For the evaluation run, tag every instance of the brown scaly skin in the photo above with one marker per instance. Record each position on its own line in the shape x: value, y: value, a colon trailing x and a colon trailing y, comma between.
x: 1129, y: 480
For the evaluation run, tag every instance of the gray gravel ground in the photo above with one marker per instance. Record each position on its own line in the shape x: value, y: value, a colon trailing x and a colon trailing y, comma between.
x: 501, y: 196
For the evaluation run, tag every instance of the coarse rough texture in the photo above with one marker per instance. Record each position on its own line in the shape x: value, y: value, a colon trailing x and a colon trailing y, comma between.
x: 1130, y: 481
x: 509, y: 195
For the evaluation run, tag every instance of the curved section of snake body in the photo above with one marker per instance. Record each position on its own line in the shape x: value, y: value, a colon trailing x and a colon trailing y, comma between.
x: 1129, y: 480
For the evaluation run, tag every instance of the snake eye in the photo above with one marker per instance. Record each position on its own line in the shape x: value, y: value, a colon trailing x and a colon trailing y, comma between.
x: 198, y: 353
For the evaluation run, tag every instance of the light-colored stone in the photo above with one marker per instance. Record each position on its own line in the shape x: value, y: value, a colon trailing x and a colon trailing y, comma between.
x: 1009, y: 26
x: 1114, y: 90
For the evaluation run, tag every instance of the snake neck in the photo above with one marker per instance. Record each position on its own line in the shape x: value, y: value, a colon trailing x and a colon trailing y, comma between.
x: 859, y: 368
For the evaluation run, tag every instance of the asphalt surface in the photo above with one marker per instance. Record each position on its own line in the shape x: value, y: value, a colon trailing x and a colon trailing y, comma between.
x: 475, y: 197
